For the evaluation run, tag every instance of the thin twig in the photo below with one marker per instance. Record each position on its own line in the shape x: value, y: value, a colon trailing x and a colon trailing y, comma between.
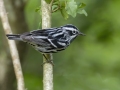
x: 13, y: 49
x: 51, y: 3
x: 56, y: 9
x: 47, y: 67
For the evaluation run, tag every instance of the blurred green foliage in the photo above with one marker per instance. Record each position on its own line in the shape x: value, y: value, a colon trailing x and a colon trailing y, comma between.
x: 91, y: 62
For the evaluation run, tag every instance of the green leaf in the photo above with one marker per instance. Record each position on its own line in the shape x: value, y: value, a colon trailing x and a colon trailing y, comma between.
x: 82, y: 11
x: 62, y: 3
x: 81, y: 5
x: 48, y: 1
x: 37, y: 9
x: 56, y: 2
x: 39, y: 25
x: 54, y: 6
x: 71, y: 7
x: 64, y: 13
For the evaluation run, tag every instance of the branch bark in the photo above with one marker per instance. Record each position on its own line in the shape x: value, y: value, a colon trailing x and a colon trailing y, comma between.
x: 47, y: 67
x: 12, y: 46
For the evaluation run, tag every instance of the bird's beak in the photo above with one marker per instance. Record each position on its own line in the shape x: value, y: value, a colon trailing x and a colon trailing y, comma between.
x: 81, y: 34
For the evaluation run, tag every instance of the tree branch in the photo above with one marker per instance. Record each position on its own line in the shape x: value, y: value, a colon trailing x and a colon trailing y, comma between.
x: 56, y: 9
x: 13, y: 49
x: 51, y: 3
x: 47, y: 67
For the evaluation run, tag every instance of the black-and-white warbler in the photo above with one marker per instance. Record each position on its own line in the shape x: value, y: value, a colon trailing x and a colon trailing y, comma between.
x: 49, y: 40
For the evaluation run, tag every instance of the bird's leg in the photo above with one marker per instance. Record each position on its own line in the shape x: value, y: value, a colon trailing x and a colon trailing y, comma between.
x: 47, y: 60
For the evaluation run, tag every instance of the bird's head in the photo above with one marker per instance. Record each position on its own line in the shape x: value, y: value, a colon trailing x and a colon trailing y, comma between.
x: 72, y: 30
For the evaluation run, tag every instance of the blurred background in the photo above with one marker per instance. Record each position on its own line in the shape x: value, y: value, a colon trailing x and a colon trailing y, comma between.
x: 91, y: 62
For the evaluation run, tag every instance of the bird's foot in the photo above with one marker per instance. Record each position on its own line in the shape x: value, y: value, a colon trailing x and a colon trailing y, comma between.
x: 47, y: 61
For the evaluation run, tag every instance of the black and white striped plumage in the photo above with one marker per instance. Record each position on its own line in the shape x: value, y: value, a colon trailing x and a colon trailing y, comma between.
x: 49, y: 40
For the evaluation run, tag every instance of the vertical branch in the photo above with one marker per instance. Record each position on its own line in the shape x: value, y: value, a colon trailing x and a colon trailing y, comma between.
x: 47, y: 67
x: 13, y: 49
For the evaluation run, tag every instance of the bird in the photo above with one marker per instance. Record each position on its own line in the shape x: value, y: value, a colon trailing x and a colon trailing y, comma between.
x: 51, y: 40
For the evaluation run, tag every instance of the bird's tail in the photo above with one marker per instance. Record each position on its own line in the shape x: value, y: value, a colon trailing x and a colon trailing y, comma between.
x: 14, y: 36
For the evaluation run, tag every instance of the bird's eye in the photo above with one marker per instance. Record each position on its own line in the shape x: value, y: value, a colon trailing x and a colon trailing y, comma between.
x: 74, y: 32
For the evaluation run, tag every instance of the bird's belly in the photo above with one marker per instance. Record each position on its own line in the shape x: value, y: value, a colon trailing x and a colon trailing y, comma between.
x: 49, y: 49
x: 41, y: 49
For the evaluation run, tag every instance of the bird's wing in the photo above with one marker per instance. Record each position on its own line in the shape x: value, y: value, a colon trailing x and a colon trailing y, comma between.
x: 53, y: 37
x: 43, y: 32
x: 41, y: 37
x: 59, y: 40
